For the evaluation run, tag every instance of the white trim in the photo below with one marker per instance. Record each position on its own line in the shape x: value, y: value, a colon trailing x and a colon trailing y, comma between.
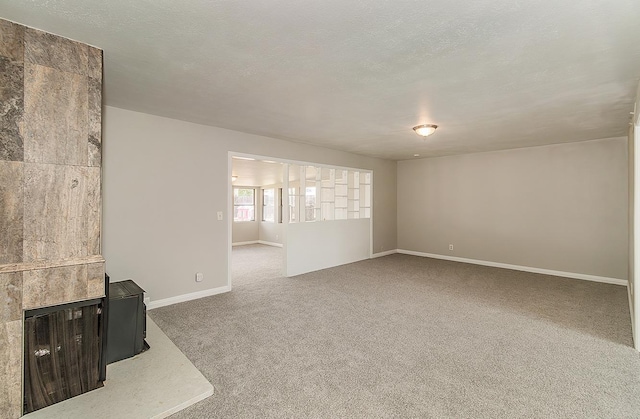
x: 585, y: 277
x: 229, y: 216
x: 284, y: 231
x: 245, y: 243
x: 266, y: 243
x: 633, y: 319
x: 187, y: 297
x: 634, y: 276
x: 387, y: 253
x: 371, y: 200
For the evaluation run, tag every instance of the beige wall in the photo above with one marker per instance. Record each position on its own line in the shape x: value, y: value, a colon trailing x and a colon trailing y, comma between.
x: 246, y: 231
x: 560, y: 207
x: 163, y: 180
x: 271, y: 232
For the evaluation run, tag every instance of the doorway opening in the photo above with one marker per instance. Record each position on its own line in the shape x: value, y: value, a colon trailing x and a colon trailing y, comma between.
x: 318, y: 215
x: 257, y: 237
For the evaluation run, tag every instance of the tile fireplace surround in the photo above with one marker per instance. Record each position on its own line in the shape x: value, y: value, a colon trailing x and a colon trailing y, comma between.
x: 50, y: 185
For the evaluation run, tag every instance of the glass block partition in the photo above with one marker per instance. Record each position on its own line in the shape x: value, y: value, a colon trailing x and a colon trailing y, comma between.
x: 318, y: 193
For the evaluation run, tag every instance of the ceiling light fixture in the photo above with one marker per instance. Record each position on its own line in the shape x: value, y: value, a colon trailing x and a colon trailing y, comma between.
x: 425, y: 130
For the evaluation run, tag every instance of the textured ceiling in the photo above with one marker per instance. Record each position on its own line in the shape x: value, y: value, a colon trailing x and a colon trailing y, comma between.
x: 358, y: 75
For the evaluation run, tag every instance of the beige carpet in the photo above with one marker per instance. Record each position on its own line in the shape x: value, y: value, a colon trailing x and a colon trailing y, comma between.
x: 255, y: 262
x: 404, y: 336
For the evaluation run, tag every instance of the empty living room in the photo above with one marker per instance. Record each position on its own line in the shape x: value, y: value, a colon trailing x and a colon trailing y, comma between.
x: 319, y: 209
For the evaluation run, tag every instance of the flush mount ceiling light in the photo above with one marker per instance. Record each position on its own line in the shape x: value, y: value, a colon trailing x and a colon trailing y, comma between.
x: 425, y: 130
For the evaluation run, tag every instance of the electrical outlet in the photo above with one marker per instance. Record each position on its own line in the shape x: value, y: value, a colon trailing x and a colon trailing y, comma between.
x: 219, y: 215
x: 199, y: 276
x: 450, y: 247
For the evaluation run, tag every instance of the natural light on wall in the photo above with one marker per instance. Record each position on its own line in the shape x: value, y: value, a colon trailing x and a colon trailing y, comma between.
x: 323, y: 193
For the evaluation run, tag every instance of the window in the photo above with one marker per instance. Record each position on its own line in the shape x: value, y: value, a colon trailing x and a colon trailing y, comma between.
x: 293, y: 210
x: 243, y: 204
x: 310, y: 203
x: 365, y: 195
x: 268, y: 205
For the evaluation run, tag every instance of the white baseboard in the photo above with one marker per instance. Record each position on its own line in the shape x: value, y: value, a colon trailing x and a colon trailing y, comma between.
x: 632, y: 311
x: 387, y: 253
x: 187, y: 297
x: 244, y: 243
x: 269, y: 243
x: 606, y: 280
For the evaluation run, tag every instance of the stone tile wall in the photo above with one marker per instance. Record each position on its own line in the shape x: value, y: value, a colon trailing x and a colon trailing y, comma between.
x: 50, y: 184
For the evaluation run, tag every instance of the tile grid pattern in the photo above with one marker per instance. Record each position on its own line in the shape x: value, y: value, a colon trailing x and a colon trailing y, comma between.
x: 50, y: 184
